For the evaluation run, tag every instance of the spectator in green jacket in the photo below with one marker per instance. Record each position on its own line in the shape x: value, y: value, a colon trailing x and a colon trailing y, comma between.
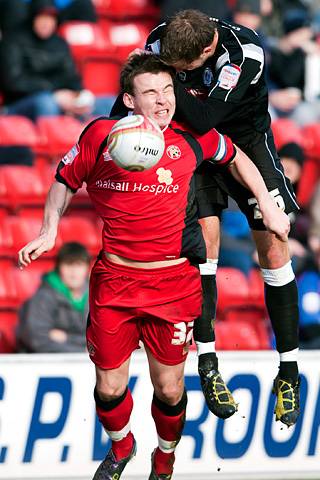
x: 54, y: 319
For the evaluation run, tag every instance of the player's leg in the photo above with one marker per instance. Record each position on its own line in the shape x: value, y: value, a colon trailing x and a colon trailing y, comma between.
x: 281, y: 297
x: 210, y: 201
x: 168, y: 411
x: 166, y: 332
x: 114, y: 405
x: 112, y: 335
x: 281, y: 294
x: 218, y: 397
x: 203, y: 331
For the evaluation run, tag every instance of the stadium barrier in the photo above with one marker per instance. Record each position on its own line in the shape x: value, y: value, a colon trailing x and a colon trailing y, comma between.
x: 48, y: 427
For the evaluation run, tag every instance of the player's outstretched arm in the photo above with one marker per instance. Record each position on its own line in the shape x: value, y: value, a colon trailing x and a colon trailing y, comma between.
x: 58, y: 199
x: 275, y: 219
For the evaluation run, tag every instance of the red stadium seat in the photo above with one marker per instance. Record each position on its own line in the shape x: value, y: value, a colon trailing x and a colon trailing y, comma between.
x: 8, y: 288
x: 22, y: 229
x: 126, y: 8
x: 308, y: 181
x: 17, y: 130
x: 241, y: 302
x: 8, y: 323
x: 311, y: 136
x: 101, y: 75
x: 85, y: 40
x: 256, y: 288
x: 58, y: 134
x: 80, y: 229
x: 242, y: 336
x: 22, y: 186
x: 29, y: 279
x: 286, y: 131
x: 311, y: 167
x: 125, y: 37
x: 18, y: 285
x: 256, y: 318
x: 96, y: 57
x: 233, y: 289
x: 6, y: 242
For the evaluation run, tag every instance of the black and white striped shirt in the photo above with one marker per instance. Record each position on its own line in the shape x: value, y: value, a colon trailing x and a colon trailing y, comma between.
x: 229, y: 90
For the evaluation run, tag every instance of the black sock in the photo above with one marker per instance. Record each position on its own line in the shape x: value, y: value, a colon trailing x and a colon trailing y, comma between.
x: 203, y: 330
x: 282, y: 305
x: 208, y: 359
x: 288, y: 371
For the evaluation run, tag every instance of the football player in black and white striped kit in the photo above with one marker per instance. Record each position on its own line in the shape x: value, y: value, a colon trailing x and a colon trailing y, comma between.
x: 220, y: 84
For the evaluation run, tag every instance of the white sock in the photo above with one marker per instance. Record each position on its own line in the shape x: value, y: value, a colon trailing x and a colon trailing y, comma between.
x: 208, y: 347
x: 291, y: 356
x: 210, y: 267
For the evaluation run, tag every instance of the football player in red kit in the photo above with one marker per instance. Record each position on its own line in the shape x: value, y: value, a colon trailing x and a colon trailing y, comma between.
x: 144, y: 285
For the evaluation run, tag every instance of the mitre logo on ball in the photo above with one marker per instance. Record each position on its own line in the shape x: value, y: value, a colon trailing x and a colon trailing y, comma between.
x: 136, y: 143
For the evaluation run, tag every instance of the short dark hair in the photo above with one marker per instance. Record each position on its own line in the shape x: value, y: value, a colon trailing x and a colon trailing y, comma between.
x: 138, y: 64
x: 292, y: 150
x: 72, y: 252
x: 187, y: 33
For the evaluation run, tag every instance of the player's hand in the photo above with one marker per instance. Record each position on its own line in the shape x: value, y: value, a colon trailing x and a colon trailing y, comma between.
x: 276, y: 220
x: 35, y: 249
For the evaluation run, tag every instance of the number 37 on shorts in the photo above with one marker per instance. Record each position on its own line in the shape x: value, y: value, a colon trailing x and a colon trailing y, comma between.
x: 182, y: 334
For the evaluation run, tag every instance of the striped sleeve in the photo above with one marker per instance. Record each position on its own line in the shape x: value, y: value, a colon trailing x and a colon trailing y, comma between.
x: 217, y: 148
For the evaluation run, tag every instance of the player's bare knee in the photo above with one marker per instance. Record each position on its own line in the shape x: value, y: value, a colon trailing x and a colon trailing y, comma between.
x: 170, y: 392
x: 171, y: 397
x: 109, y: 388
x: 273, y: 259
x: 273, y: 253
x: 109, y: 392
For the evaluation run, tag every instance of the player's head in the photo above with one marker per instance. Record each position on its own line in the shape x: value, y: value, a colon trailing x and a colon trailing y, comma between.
x: 72, y: 265
x: 147, y: 84
x: 190, y: 38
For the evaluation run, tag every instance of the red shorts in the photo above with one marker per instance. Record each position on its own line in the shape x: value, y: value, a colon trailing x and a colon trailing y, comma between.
x: 157, y: 306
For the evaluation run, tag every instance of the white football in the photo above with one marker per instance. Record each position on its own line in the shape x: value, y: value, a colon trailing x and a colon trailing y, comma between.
x: 136, y: 143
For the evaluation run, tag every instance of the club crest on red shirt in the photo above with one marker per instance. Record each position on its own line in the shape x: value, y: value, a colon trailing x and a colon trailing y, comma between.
x: 173, y: 152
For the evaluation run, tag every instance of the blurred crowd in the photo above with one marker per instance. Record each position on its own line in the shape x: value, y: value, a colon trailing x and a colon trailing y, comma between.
x: 57, y: 58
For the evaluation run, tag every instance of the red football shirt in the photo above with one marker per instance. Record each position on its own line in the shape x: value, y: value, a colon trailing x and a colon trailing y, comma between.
x: 143, y: 212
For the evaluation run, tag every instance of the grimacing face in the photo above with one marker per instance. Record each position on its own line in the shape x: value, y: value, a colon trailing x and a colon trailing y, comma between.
x: 153, y: 97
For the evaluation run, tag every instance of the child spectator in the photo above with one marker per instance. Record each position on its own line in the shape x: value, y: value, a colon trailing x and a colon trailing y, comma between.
x: 54, y: 319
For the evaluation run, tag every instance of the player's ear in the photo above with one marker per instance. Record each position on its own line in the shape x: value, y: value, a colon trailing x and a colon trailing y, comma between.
x: 207, y: 49
x: 128, y: 100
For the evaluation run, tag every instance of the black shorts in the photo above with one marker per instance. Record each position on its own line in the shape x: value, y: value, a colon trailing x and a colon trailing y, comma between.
x: 214, y: 183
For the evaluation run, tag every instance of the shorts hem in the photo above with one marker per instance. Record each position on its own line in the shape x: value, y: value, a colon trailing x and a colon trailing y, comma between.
x: 117, y: 365
x: 166, y: 361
